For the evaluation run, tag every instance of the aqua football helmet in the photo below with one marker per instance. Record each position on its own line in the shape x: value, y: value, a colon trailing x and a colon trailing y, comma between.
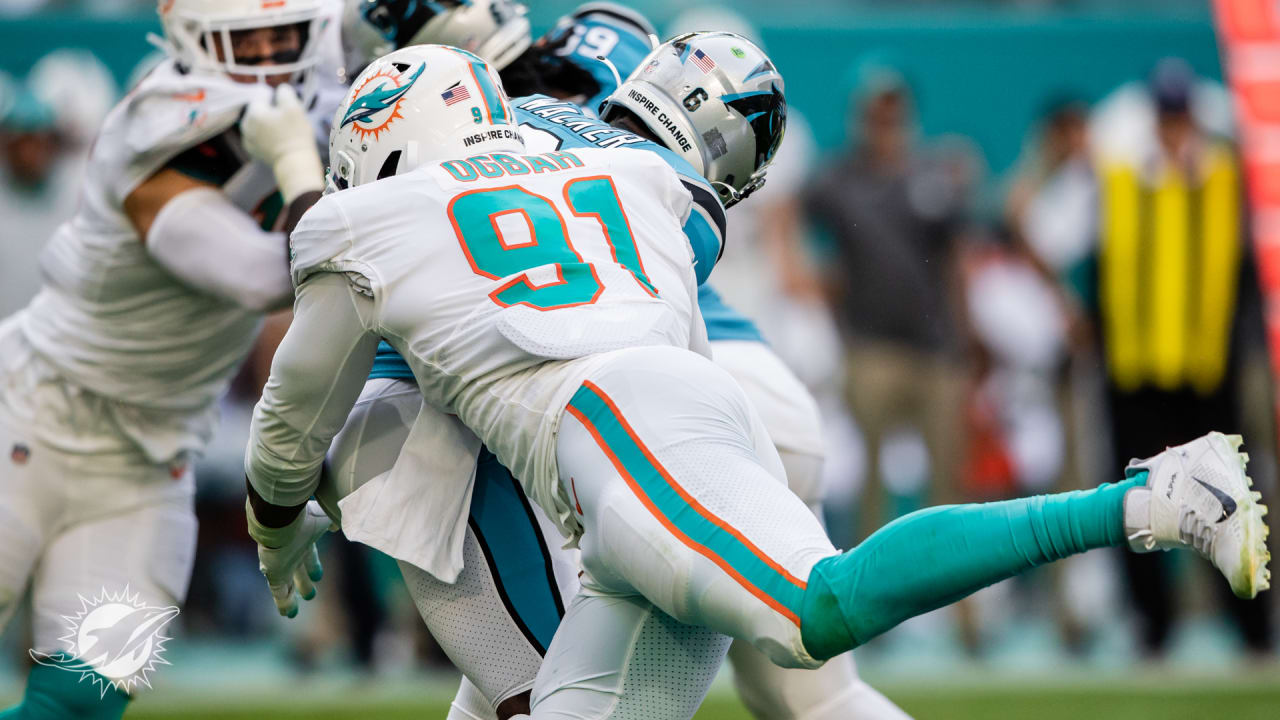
x: 714, y: 99
x: 417, y: 105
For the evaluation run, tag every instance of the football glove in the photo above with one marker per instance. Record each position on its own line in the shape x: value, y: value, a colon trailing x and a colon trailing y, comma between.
x: 287, y: 556
x: 278, y: 134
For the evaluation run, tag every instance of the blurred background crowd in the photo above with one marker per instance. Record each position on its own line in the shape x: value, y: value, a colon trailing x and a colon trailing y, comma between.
x: 1006, y: 244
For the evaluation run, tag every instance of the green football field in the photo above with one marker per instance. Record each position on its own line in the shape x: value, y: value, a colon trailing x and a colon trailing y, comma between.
x: 1151, y: 698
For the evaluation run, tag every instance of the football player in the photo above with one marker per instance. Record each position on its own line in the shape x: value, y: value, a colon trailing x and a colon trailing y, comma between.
x: 549, y: 302
x: 152, y: 296
x: 579, y: 61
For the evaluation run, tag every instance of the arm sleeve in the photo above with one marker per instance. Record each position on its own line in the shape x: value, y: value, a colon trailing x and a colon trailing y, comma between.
x: 316, y: 377
x: 214, y: 246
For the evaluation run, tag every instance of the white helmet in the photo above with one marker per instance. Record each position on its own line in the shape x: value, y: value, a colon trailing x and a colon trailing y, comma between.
x: 416, y: 105
x: 497, y: 30
x: 716, y: 100
x: 193, y: 28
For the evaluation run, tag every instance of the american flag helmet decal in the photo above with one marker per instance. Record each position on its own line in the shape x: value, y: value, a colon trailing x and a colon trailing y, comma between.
x: 703, y: 61
x: 455, y: 95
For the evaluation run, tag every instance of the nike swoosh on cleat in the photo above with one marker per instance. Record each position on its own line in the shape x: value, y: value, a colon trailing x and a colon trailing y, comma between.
x: 1228, y: 503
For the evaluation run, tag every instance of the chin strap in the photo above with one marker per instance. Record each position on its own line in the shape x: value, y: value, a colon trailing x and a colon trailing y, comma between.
x: 731, y: 196
x: 617, y: 79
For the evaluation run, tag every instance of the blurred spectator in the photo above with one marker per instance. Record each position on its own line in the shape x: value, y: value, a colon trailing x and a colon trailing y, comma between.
x: 38, y: 191
x: 80, y: 89
x: 1051, y: 213
x: 1052, y: 203
x: 1178, y: 298
x: 895, y: 217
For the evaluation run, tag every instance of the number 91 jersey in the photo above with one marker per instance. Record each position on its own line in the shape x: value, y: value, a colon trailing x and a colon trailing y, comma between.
x: 481, y: 269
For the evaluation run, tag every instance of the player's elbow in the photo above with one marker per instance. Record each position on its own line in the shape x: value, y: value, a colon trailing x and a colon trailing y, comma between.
x: 275, y: 468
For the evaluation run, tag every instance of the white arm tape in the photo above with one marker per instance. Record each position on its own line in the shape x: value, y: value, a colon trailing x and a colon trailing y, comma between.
x: 316, y: 376
x: 214, y: 246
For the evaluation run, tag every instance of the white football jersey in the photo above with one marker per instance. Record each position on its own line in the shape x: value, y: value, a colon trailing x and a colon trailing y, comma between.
x: 484, y: 269
x: 111, y: 320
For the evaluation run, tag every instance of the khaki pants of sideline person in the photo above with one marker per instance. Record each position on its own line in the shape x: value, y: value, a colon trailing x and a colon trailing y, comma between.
x: 889, y: 387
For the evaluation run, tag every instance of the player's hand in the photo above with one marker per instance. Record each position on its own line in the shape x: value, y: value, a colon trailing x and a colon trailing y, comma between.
x: 289, y: 559
x: 278, y: 133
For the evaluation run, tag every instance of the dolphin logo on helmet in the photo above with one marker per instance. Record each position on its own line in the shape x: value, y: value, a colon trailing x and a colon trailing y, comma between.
x: 381, y: 98
x: 394, y: 121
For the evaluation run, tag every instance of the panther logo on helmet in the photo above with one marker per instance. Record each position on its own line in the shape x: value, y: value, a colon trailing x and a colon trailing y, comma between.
x: 364, y: 110
x: 766, y: 112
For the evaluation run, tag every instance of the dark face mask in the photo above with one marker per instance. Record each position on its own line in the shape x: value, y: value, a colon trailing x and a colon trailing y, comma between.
x: 285, y: 49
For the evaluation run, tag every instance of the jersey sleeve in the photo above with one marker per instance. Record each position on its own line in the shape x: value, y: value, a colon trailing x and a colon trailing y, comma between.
x: 705, y: 225
x: 317, y: 374
x: 167, y: 117
x: 320, y: 240
x: 705, y: 228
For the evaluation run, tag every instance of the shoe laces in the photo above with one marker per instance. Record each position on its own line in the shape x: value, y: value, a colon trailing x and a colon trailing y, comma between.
x: 1195, y: 531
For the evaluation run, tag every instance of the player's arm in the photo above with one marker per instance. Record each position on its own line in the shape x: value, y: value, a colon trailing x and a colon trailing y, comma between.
x: 316, y: 376
x: 192, y: 229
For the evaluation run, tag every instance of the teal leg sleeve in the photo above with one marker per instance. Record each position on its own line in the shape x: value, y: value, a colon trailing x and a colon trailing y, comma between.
x: 55, y: 694
x: 936, y: 556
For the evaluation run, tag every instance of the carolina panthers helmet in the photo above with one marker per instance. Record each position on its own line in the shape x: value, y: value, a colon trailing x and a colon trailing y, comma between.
x: 194, y: 28
x: 716, y: 100
x: 497, y: 30
x: 416, y: 105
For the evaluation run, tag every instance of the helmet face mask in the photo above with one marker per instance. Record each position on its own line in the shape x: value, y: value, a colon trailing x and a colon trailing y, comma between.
x: 716, y: 100
x: 227, y: 36
x: 417, y: 105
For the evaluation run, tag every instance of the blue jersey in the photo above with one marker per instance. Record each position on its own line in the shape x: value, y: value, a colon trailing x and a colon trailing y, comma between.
x: 548, y: 125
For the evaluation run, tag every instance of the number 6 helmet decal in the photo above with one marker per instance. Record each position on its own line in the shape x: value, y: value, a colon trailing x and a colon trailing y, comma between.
x: 416, y: 105
x: 716, y: 100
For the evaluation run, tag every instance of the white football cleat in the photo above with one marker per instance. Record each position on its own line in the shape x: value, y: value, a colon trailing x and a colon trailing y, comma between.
x: 1197, y: 496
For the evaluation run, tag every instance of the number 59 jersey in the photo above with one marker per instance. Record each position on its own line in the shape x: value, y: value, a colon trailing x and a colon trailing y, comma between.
x: 483, y: 269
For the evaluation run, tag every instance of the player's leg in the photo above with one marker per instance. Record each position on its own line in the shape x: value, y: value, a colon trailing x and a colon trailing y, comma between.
x: 618, y: 656
x: 831, y: 692
x: 139, y: 558
x: 1194, y: 496
x: 790, y: 415
x: 28, y: 508
x: 470, y: 704
x: 496, y: 621
x: 683, y: 499
x: 734, y: 554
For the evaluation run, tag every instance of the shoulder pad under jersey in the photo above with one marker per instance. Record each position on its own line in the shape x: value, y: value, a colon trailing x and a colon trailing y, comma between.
x: 167, y: 113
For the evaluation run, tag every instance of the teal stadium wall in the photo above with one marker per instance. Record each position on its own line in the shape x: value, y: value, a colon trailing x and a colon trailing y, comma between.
x: 981, y: 72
